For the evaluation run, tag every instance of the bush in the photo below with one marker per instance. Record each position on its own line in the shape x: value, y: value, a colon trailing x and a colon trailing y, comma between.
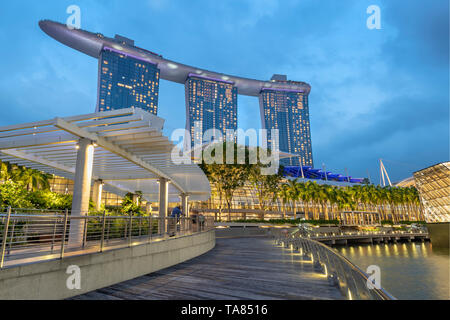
x: 45, y: 199
x: 128, y: 206
x: 14, y: 194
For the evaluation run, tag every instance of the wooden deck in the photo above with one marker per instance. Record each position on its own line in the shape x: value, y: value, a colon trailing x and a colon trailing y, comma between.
x: 237, y: 268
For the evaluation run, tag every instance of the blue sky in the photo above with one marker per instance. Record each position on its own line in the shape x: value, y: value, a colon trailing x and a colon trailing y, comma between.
x: 375, y: 93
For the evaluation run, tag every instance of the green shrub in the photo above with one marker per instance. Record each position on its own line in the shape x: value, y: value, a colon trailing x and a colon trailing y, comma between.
x: 14, y: 194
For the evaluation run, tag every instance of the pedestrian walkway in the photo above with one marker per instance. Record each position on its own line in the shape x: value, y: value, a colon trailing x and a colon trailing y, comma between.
x: 237, y: 268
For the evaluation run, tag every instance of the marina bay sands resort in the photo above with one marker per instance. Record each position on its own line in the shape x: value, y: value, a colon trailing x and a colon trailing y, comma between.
x: 129, y: 76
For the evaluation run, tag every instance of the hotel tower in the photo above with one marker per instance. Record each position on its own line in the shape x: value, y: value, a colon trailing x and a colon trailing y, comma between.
x: 129, y: 76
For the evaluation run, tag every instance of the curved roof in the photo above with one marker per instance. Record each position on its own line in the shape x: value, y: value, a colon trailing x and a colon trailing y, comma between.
x: 130, y: 152
x: 93, y: 43
x: 408, y: 182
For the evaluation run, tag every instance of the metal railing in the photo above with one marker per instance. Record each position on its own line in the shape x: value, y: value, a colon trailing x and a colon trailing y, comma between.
x: 353, y: 283
x: 343, y: 234
x: 32, y: 236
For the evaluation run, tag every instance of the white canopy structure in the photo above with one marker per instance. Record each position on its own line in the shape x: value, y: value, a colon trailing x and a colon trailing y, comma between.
x: 124, y: 149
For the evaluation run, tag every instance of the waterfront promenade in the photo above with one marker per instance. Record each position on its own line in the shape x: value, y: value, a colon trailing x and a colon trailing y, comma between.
x: 237, y: 268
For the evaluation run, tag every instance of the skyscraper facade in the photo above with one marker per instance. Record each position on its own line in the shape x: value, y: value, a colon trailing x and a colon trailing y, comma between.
x: 126, y: 81
x: 287, y: 111
x: 129, y: 77
x: 210, y: 104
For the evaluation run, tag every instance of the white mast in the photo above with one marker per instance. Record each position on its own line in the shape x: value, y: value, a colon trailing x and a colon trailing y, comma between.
x: 383, y: 172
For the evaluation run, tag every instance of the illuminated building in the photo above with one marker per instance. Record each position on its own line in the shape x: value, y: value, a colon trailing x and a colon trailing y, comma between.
x: 287, y: 110
x: 212, y: 103
x: 433, y: 184
x: 211, y: 97
x: 125, y: 82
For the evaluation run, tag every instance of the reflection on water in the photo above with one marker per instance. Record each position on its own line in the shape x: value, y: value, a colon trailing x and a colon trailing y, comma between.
x: 408, y: 270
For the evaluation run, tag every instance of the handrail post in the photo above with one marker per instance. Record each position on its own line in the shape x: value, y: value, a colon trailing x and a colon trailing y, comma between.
x: 5, y: 235
x: 86, y: 221
x: 11, y: 237
x: 140, y: 226
x: 63, y: 239
x: 150, y: 228
x: 54, y: 233
x: 103, y: 231
x: 130, y: 229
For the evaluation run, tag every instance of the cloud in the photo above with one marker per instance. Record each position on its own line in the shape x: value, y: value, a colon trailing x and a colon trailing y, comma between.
x: 375, y: 93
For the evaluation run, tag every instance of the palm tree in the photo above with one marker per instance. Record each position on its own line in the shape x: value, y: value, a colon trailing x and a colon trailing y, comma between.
x: 304, y: 196
x: 413, y: 200
x: 33, y: 179
x: 315, y: 198
x: 294, y: 194
x: 5, y: 173
x: 332, y: 196
x: 323, y: 196
x: 283, y: 193
x: 394, y: 204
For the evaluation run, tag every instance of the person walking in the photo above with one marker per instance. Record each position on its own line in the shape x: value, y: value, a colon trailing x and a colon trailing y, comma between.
x: 175, y: 218
x: 176, y: 212
x: 194, y: 218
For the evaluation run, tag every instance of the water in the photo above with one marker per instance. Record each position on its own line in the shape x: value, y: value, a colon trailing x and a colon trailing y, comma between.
x: 408, y: 270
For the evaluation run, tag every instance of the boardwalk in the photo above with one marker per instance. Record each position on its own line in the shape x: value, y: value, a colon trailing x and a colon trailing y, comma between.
x: 238, y: 268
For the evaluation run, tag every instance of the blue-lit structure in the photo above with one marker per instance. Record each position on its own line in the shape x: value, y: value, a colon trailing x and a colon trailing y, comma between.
x: 129, y: 77
x: 288, y: 112
x: 212, y: 104
x: 126, y: 81
x: 317, y: 174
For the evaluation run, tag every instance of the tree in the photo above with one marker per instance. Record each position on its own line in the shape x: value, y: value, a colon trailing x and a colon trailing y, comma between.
x: 403, y: 203
x: 294, y: 194
x: 284, y: 195
x: 266, y: 186
x: 226, y: 177
x: 234, y: 177
x: 129, y: 206
x: 33, y: 179
x: 215, y: 174
x: 305, y: 196
x: 5, y: 173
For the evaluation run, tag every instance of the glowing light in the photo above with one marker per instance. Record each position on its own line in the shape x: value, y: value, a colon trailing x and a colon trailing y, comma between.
x: 172, y: 66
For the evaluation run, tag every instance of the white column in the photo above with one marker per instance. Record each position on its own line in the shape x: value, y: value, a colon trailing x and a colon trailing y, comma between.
x: 81, y: 190
x: 163, y: 202
x: 185, y: 204
x: 97, y: 194
x: 148, y: 207
x: 136, y: 199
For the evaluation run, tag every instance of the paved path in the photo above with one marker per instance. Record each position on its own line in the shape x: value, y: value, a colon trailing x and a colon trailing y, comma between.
x: 237, y: 268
